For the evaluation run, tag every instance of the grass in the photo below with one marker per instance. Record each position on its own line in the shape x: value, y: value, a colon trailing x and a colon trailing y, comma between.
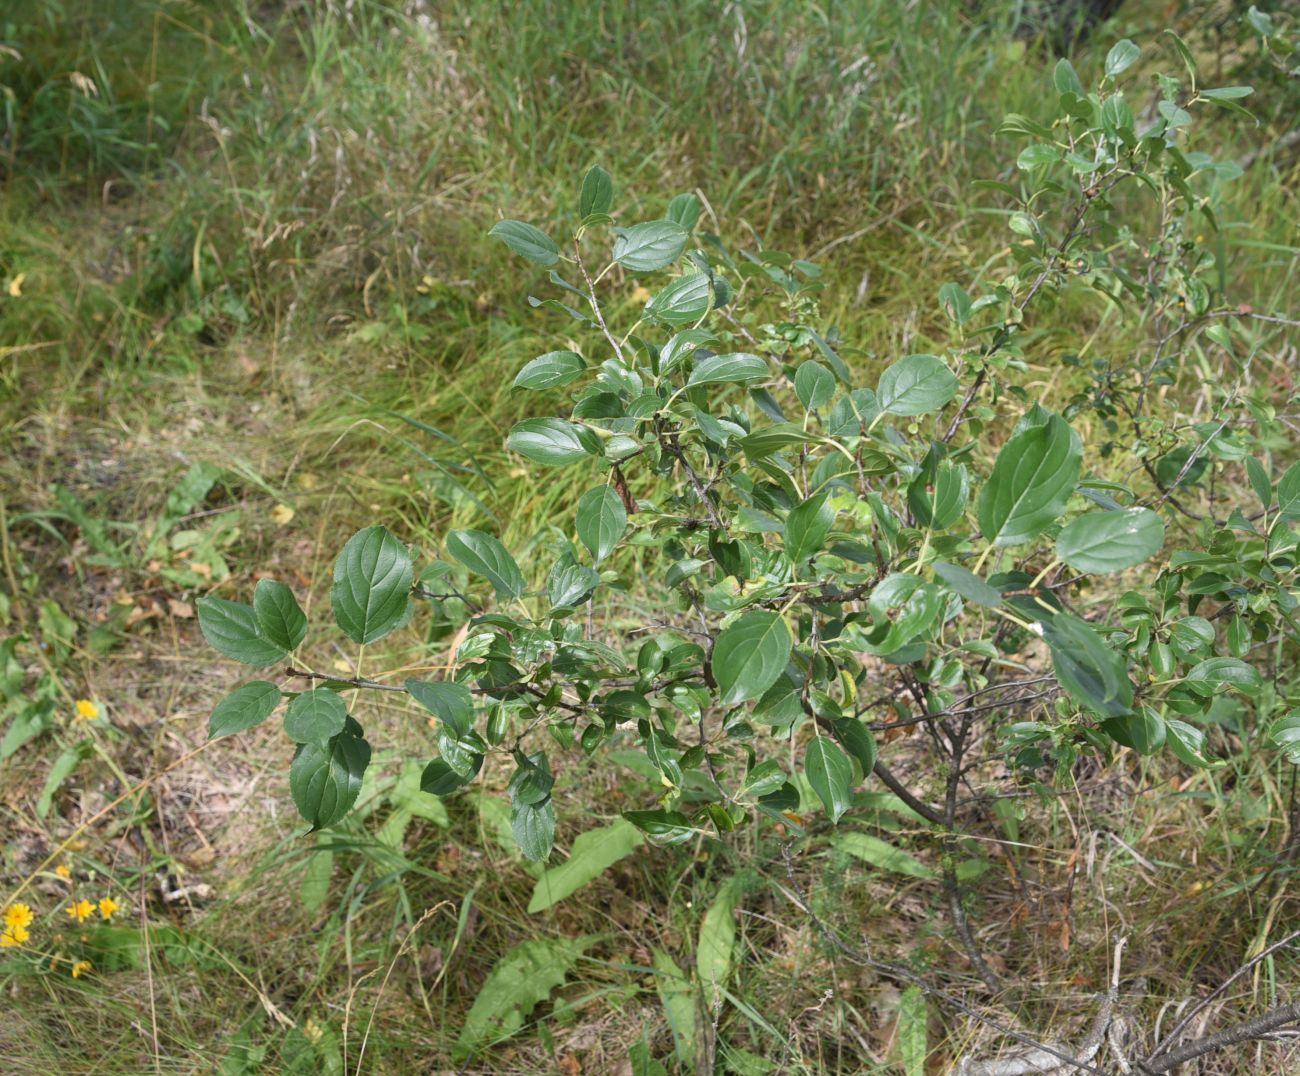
x: 254, y: 239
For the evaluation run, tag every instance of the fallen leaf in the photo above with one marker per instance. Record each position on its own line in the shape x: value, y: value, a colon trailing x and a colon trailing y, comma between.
x: 179, y: 609
x: 16, y: 286
x: 281, y: 514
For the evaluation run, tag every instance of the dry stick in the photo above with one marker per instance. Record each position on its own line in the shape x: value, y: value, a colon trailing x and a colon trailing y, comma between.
x: 1186, y: 1020
x: 896, y: 972
x: 1244, y: 1032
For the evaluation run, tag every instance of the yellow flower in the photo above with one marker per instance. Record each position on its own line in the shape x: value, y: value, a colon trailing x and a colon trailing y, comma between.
x: 13, y: 936
x: 108, y: 907
x: 80, y: 910
x: 62, y: 871
x: 87, y: 710
x: 18, y: 915
x: 80, y: 968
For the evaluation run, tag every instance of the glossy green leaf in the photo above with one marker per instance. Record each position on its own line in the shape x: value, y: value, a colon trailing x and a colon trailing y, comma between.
x: 1217, y: 672
x: 372, y: 585
x: 969, y: 585
x: 549, y: 441
x: 279, y: 615
x: 597, y: 194
x: 533, y: 825
x: 1032, y: 479
x: 325, y: 778
x: 684, y: 209
x: 551, y: 370
x: 830, y: 774
x: 1187, y: 743
x: 439, y: 779
x: 315, y: 716
x: 602, y: 521
x: 1288, y: 495
x: 683, y: 302
x: 450, y: 702
x: 569, y: 582
x: 667, y: 827
x: 735, y: 367
x: 749, y: 655
x: 1093, y: 674
x: 1102, y: 542
x: 857, y: 740
x: 244, y: 708
x: 650, y: 246
x: 1285, y: 734
x: 937, y: 495
x: 1122, y: 56
x: 484, y: 555
x: 593, y: 853
x: 233, y: 629
x: 1144, y: 730
x: 814, y: 385
x: 532, y: 243
x: 806, y: 527
x: 916, y: 385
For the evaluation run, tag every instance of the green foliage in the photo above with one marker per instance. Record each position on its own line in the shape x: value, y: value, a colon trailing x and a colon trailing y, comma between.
x: 801, y: 564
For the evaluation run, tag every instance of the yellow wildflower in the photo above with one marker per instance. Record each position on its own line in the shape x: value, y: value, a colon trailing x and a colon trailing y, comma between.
x: 62, y: 871
x: 18, y: 915
x: 80, y: 910
x: 87, y: 710
x: 108, y: 907
x: 13, y: 936
x: 80, y: 968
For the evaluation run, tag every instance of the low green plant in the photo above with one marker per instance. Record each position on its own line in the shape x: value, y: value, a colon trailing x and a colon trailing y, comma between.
x: 820, y: 553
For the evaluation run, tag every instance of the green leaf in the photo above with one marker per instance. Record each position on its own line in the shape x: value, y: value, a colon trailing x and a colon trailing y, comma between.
x: 594, y: 852
x: 881, y: 854
x: 1066, y: 79
x: 1215, y: 672
x: 315, y: 716
x: 969, y: 585
x: 937, y: 495
x: 484, y: 555
x: 1187, y: 743
x: 597, y: 192
x: 1103, y: 542
x: 677, y: 996
x: 650, y: 246
x: 1259, y: 481
x: 1288, y: 495
x: 831, y: 775
x: 1121, y: 57
x: 1227, y: 93
x: 1285, y: 734
x: 233, y: 629
x: 807, y: 526
x: 549, y: 441
x: 684, y: 209
x: 244, y: 708
x: 524, y: 239
x: 570, y: 582
x: 729, y: 368
x: 916, y: 385
x: 325, y: 778
x: 372, y: 585
x: 523, y: 978
x: 602, y: 521
x: 1093, y: 674
x: 1037, y: 155
x: 749, y: 656
x: 1032, y: 479
x: 683, y: 302
x: 716, y: 949
x: 858, y: 742
x: 551, y: 370
x: 667, y: 827
x: 534, y: 828
x: 1144, y: 730
x: 913, y: 1015
x: 439, y: 779
x: 279, y: 615
x: 814, y: 385
x: 450, y: 702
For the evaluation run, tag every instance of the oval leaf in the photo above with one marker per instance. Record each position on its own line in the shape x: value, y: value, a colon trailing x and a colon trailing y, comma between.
x: 325, y: 778
x: 233, y: 629
x: 602, y: 520
x: 653, y: 245
x: 551, y: 370
x: 830, y: 773
x: 315, y: 716
x: 244, y: 708
x: 1102, y: 542
x: 483, y: 555
x: 597, y: 192
x: 735, y: 367
x: 524, y: 239
x: 916, y: 385
x: 750, y: 655
x: 451, y: 703
x: 550, y: 441
x: 372, y: 585
x: 683, y: 302
x: 1033, y: 477
x: 279, y: 615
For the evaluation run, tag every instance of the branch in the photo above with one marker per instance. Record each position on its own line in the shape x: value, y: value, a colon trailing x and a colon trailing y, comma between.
x: 1251, y: 1029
